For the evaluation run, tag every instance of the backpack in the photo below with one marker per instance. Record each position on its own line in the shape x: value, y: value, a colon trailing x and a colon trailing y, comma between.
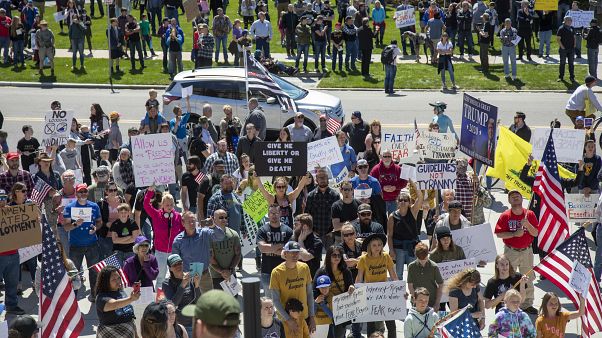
x: 386, y: 57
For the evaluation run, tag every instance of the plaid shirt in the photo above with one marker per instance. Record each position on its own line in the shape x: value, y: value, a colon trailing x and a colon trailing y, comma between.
x: 464, y: 194
x: 7, y: 181
x: 206, y: 45
x: 221, y: 25
x: 319, y: 206
x: 229, y: 159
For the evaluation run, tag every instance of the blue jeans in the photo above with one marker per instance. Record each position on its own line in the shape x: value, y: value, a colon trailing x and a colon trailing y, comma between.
x: 451, y: 73
x: 598, y: 255
x: 402, y: 257
x: 77, y: 46
x: 302, y: 48
x: 592, y: 61
x: 263, y: 45
x: 509, y: 56
x: 155, y: 13
x: 4, y: 43
x: 351, y: 50
x: 544, y: 38
x: 18, y: 52
x: 452, y: 32
x: 320, y: 53
x: 337, y: 55
x: 31, y: 264
x: 136, y: 46
x: 578, y: 40
x: 171, y: 13
x: 9, y: 271
x: 265, y: 284
x: 162, y: 262
x: 564, y: 55
x: 221, y: 41
x: 390, y: 72
x: 462, y: 36
x: 77, y: 254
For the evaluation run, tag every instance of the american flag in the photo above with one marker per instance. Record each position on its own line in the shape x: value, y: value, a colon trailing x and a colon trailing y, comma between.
x: 40, y: 191
x: 460, y: 325
x: 112, y: 260
x: 332, y: 125
x: 416, y: 131
x: 553, y: 223
x: 258, y: 78
x: 59, y: 310
x: 557, y: 268
x: 198, y: 178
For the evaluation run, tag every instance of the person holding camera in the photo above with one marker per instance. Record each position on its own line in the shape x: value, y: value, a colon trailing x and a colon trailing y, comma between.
x: 182, y: 288
x: 141, y: 269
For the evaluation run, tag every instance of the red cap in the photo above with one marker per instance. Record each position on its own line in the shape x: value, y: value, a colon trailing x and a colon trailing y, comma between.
x: 12, y: 156
x: 81, y: 186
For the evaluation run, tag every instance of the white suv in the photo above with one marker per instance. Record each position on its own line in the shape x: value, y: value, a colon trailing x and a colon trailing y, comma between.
x: 226, y: 85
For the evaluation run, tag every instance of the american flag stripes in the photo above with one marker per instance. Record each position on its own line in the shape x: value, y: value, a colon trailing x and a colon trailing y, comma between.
x: 557, y: 268
x: 40, y: 191
x: 332, y: 125
x: 460, y: 325
x: 59, y: 311
x: 553, y: 223
x: 112, y: 260
x: 416, y: 131
x: 258, y: 78
x: 198, y: 178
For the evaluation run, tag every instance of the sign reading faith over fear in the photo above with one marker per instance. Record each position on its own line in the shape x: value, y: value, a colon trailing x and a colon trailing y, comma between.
x: 436, y: 176
x: 478, y: 135
x: 438, y: 146
x: 568, y: 144
x: 280, y: 158
x: 401, y: 144
x: 57, y: 127
x: 154, y: 159
x: 19, y: 227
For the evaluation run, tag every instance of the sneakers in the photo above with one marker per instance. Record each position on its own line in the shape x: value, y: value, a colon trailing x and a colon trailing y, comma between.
x: 15, y: 311
x: 530, y: 310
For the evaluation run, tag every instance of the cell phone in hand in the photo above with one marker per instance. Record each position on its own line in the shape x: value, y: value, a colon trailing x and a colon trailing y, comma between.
x: 136, y: 287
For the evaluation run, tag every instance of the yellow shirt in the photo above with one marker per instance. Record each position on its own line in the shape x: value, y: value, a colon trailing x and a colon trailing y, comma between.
x: 303, y: 331
x: 292, y: 283
x: 552, y: 327
x: 321, y: 316
x: 375, y: 268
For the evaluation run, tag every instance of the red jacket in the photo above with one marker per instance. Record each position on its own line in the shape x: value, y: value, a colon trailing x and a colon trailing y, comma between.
x: 5, y: 27
x: 389, y: 176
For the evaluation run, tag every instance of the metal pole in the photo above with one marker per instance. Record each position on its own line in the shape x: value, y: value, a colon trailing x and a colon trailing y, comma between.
x: 244, y: 56
x: 108, y: 2
x: 251, y: 307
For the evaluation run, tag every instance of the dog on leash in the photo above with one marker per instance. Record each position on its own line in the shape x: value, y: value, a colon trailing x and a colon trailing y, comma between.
x: 419, y: 39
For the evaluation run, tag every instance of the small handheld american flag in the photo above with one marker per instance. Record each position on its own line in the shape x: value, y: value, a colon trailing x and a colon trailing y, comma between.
x: 199, y: 177
x: 112, y: 260
x: 460, y: 325
x: 332, y: 125
x: 40, y: 191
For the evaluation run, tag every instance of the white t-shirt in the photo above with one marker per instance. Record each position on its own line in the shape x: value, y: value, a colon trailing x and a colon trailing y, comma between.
x: 445, y: 47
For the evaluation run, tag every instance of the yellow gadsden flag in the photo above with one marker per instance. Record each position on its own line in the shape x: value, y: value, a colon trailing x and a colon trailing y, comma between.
x: 511, y: 154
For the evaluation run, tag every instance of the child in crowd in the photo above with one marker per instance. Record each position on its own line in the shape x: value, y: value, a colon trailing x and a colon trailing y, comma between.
x: 552, y: 320
x: 147, y: 39
x: 123, y: 233
x: 421, y: 318
x: 152, y: 99
x: 281, y: 29
x: 115, y: 138
x: 270, y: 326
x: 27, y: 147
x: 104, y: 158
x: 294, y: 308
x: 323, y: 312
x: 511, y: 321
x: 70, y: 155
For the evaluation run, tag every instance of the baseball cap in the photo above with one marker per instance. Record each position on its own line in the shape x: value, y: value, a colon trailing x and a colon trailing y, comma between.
x: 219, y: 162
x: 3, y: 195
x: 292, y: 246
x: 579, y: 118
x: 589, y: 78
x: 113, y: 115
x: 155, y: 313
x: 80, y: 187
x: 357, y: 114
x: 364, y: 207
x: 362, y: 162
x: 25, y: 325
x: 443, y: 231
x: 173, y: 259
x: 12, y: 156
x: 215, y: 307
x: 322, y: 282
x: 455, y: 205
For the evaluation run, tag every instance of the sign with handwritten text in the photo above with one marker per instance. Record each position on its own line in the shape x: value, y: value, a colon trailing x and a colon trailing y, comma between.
x: 438, y: 146
x: 580, y: 208
x: 323, y: 152
x: 153, y: 157
x: 400, y: 143
x: 385, y: 301
x: 477, y: 242
x: 346, y: 307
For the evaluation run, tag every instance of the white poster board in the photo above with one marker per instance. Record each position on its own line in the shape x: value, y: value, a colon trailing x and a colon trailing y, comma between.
x: 438, y: 146
x: 581, y: 18
x: 29, y: 252
x: 401, y: 143
x: 408, y: 172
x: 84, y: 214
x: 477, y: 242
x: 436, y: 176
x: 385, y: 301
x: 448, y: 269
x: 147, y: 295
x: 580, y: 208
x: 580, y: 278
x: 568, y: 143
x: 405, y: 18
x: 231, y: 286
x: 346, y: 307
x: 153, y: 156
x: 57, y: 127
x: 323, y: 152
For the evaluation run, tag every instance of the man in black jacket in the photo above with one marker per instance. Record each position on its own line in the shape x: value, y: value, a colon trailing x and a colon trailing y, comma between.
x: 365, y: 37
x: 592, y: 37
x: 464, y: 17
x: 290, y: 20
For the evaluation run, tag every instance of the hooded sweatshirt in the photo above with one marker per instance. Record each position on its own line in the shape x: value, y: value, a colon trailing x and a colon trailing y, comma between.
x: 512, y: 324
x: 164, y: 233
x: 418, y: 325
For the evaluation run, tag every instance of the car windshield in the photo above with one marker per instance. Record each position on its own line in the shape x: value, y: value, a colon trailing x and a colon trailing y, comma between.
x: 293, y: 91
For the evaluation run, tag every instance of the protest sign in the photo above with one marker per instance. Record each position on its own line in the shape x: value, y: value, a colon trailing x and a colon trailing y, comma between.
x: 231, y: 286
x: 29, y: 252
x: 580, y: 278
x: 438, y: 146
x: 191, y: 8
x: 323, y: 152
x: 147, y: 295
x: 385, y: 301
x: 401, y: 144
x: 567, y: 143
x: 57, y: 127
x: 256, y: 205
x: 280, y: 158
x: 186, y: 91
x: 581, y: 19
x: 340, y: 178
x: 321, y: 331
x: 477, y: 242
x: 153, y: 157
x: 408, y: 172
x: 85, y: 214
x: 346, y: 307
x: 546, y: 5
x: 59, y: 16
x: 362, y: 193
x: 448, y: 269
x: 436, y: 176
x: 580, y: 208
x: 19, y: 227
x: 65, y: 201
x: 248, y: 234
x: 478, y: 135
x: 405, y: 18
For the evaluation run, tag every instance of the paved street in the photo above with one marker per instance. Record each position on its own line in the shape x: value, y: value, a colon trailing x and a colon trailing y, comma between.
x: 27, y: 105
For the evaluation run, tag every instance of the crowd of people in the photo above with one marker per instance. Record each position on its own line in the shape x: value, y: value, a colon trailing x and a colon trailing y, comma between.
x: 349, y: 28
x: 317, y: 240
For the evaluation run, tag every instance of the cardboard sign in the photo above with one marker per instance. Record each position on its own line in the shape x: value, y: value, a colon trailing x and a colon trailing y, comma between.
x: 401, y: 144
x: 280, y: 158
x: 323, y: 153
x: 29, y: 252
x: 477, y: 242
x: 187, y: 91
x: 191, y: 8
x: 84, y: 214
x: 19, y: 227
x: 248, y: 234
x: 436, y: 176
x: 385, y: 301
x: 405, y: 18
x: 580, y: 278
x: 438, y: 146
x: 581, y: 19
x: 346, y: 307
x: 231, y: 286
x: 448, y: 269
x: 256, y: 205
x: 568, y: 143
x: 478, y: 135
x: 153, y: 157
x: 57, y: 127
x: 408, y: 172
x: 580, y: 208
x: 546, y: 5
x: 59, y: 16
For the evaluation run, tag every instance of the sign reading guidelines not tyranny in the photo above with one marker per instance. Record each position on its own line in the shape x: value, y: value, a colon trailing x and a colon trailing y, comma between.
x: 19, y: 227
x: 478, y: 134
x: 280, y: 158
x: 57, y: 127
x: 436, y: 176
x: 153, y: 159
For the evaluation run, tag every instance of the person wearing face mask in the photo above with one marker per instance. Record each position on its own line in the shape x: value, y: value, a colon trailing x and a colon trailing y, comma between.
x: 225, y: 199
x: 387, y: 173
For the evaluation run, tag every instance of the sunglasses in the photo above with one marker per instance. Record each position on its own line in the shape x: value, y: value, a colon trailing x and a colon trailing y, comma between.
x: 387, y: 156
x: 112, y: 190
x: 403, y: 200
x: 366, y: 213
x: 82, y: 192
x: 346, y: 189
x: 335, y: 255
x: 69, y: 178
x: 349, y: 234
x: 362, y: 167
x: 223, y: 217
x: 280, y: 187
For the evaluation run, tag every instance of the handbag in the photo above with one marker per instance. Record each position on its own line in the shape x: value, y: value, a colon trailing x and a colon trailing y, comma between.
x: 233, y: 47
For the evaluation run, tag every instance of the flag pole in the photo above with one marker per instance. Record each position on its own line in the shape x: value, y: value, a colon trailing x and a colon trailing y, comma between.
x: 244, y: 56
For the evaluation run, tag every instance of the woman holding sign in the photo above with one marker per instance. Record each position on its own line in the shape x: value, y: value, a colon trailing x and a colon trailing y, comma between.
x: 18, y: 195
x: 281, y: 198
